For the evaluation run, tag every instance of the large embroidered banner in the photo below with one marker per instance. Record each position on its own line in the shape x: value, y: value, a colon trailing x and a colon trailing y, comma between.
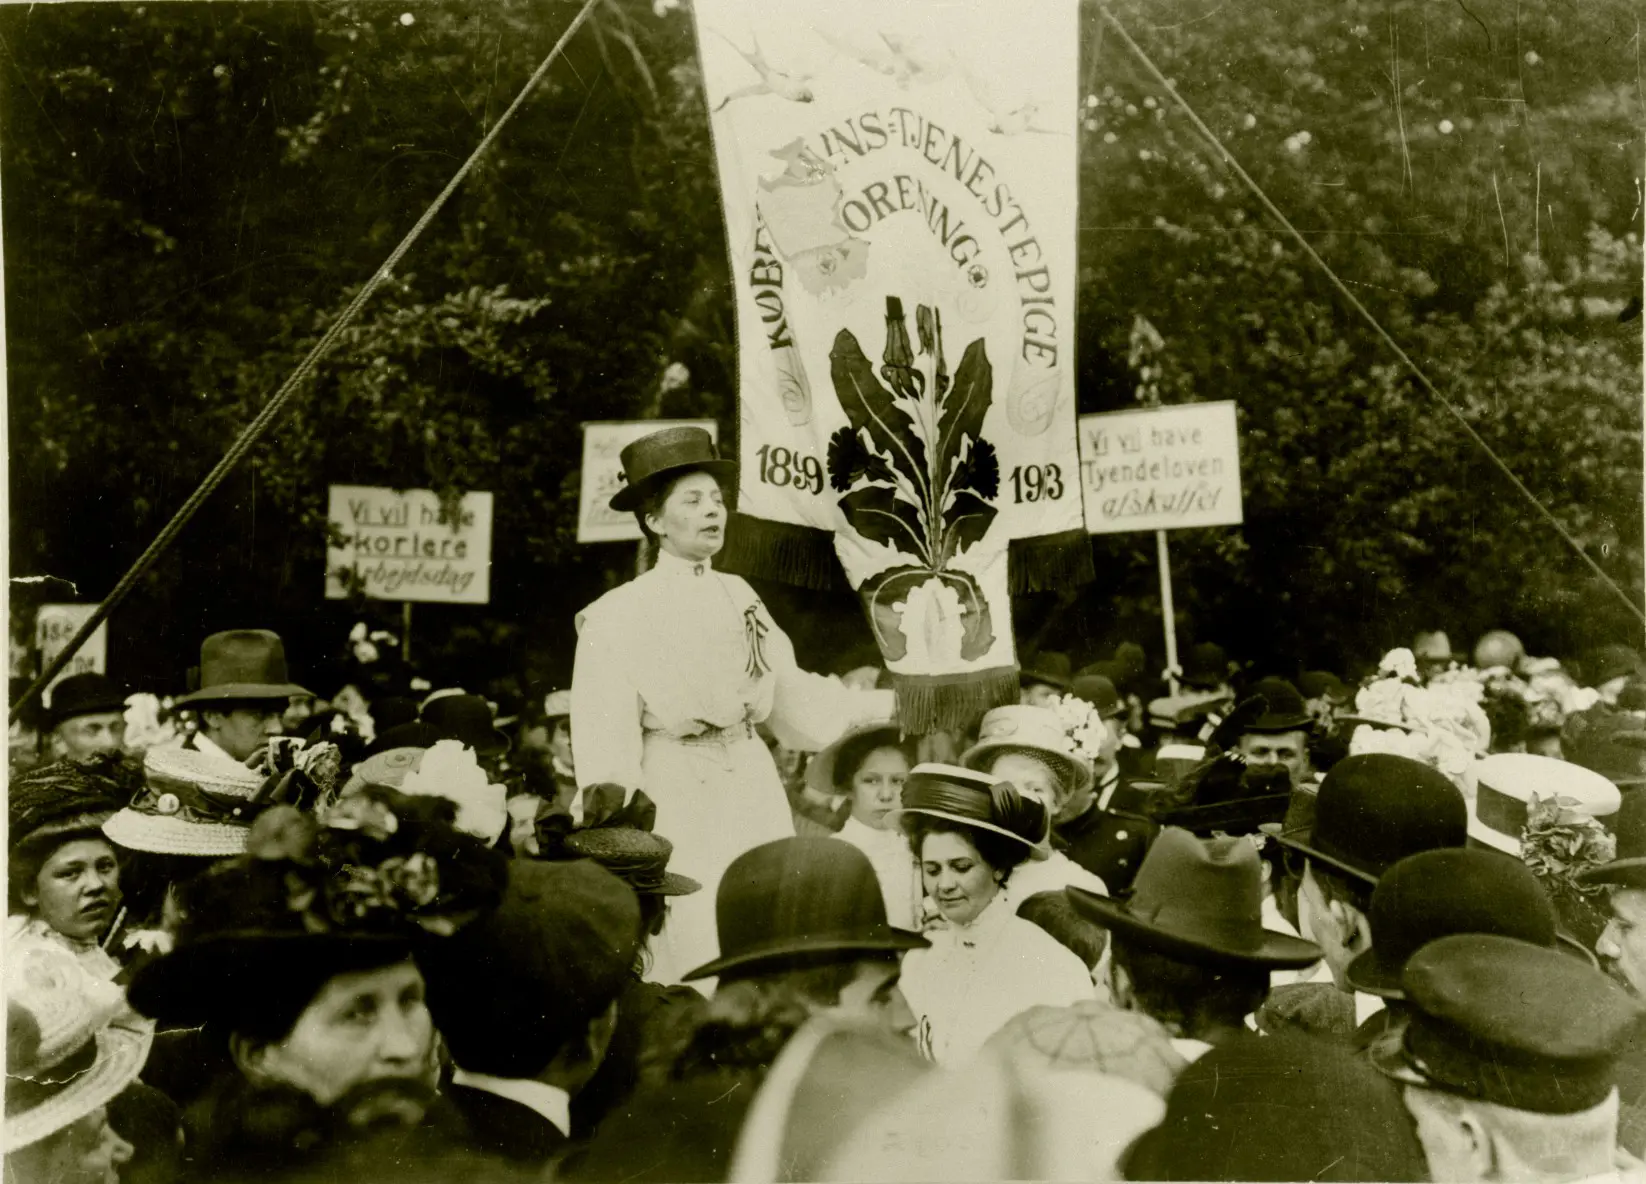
x: 899, y: 180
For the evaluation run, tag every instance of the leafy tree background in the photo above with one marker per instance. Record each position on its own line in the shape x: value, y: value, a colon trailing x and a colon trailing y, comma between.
x: 192, y: 191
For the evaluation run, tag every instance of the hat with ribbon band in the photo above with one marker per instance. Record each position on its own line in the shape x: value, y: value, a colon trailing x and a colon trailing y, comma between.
x: 616, y: 834
x: 1508, y: 781
x: 978, y: 800
x: 1036, y: 732
x: 673, y: 452
x: 191, y: 804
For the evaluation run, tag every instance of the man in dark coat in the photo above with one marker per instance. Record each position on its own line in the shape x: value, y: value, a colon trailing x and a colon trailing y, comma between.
x: 527, y: 1001
x: 1106, y: 830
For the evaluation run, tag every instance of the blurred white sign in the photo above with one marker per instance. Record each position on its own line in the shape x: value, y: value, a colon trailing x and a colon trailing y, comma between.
x: 1161, y: 468
x: 597, y: 522
x: 404, y: 545
x: 55, y: 625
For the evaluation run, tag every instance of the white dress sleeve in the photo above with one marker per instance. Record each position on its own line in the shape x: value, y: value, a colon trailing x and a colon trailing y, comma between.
x: 810, y: 712
x: 607, y: 739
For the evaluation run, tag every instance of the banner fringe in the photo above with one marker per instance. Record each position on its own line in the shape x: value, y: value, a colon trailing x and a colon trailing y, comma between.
x: 1043, y: 563
x: 951, y: 702
x: 800, y: 555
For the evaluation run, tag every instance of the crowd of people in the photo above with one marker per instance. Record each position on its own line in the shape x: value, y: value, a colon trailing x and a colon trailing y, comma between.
x: 704, y: 915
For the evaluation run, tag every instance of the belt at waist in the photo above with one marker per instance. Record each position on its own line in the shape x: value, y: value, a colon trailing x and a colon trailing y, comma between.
x: 742, y: 730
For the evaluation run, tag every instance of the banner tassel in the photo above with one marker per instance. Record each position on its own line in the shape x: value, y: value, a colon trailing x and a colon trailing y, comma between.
x: 1044, y: 563
x: 799, y: 555
x: 951, y: 702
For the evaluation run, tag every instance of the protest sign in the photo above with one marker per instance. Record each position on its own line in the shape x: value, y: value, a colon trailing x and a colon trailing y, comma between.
x: 404, y: 545
x: 54, y: 625
x: 597, y: 522
x: 1161, y: 468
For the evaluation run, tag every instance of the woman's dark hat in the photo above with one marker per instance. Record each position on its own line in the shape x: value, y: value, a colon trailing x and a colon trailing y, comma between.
x: 798, y: 900
x: 1435, y: 894
x: 241, y: 664
x: 90, y: 693
x: 1375, y: 809
x: 69, y: 797
x: 1283, y: 708
x: 617, y: 834
x: 663, y: 455
x: 1510, y: 1023
x: 1053, y: 669
x: 468, y: 719
x: 1199, y: 901
x: 1281, y: 1107
x: 1628, y: 870
x: 979, y: 800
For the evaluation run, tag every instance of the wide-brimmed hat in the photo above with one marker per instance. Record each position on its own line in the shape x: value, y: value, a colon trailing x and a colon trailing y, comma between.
x: 1506, y: 783
x: 1201, y: 901
x: 797, y: 900
x: 363, y: 885
x: 1435, y: 894
x: 1283, y: 708
x: 1033, y: 730
x: 89, y: 693
x: 63, y: 1059
x: 466, y: 718
x: 1511, y: 1023
x: 1053, y: 669
x: 637, y: 857
x: 856, y: 744
x: 662, y: 456
x: 1374, y: 809
x: 241, y: 664
x: 1229, y: 796
x: 191, y: 803
x: 978, y: 800
x: 1628, y: 870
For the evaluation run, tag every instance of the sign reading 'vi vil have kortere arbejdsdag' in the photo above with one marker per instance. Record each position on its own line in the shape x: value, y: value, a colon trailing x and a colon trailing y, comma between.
x: 404, y: 544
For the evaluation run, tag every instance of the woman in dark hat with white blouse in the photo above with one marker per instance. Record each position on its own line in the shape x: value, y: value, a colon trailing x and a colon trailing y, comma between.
x: 674, y: 671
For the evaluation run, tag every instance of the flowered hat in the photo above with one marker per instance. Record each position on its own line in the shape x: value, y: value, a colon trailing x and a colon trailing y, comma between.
x: 1045, y: 733
x: 191, y: 804
x: 379, y: 870
x: 446, y: 769
x: 1509, y: 781
x: 63, y: 1059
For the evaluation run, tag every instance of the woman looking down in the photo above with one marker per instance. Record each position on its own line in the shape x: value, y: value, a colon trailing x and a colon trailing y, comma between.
x: 674, y: 670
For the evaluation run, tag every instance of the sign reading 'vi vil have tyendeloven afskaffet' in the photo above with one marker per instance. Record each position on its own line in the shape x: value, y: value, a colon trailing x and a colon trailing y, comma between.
x: 404, y: 544
x: 1161, y: 468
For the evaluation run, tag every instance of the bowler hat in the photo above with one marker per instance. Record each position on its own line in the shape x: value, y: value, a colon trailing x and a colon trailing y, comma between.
x: 672, y: 452
x: 1280, y: 1107
x: 1510, y: 1023
x: 242, y: 664
x: 1053, y: 669
x: 1207, y: 666
x: 89, y: 693
x: 1033, y: 730
x: 508, y: 989
x: 1506, y: 782
x: 467, y: 718
x: 1374, y: 809
x: 1629, y: 868
x: 1201, y: 901
x: 1434, y: 894
x: 1101, y: 692
x: 795, y: 900
x: 1283, y: 708
x: 1323, y: 684
x: 978, y: 800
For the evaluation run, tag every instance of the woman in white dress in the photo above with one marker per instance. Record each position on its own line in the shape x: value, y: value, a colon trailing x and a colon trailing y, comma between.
x: 986, y: 964
x: 868, y: 767
x: 674, y: 670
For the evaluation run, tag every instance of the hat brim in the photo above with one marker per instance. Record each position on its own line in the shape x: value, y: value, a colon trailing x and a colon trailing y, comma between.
x: 1037, y: 852
x: 1621, y: 873
x: 1257, y: 813
x: 162, y: 835
x: 1368, y: 721
x: 234, y: 691
x: 90, y: 707
x: 790, y: 949
x: 1080, y: 776
x: 1496, y: 840
x: 630, y: 496
x: 1369, y: 974
x: 820, y: 769
x: 675, y: 884
x: 193, y: 984
x: 1270, y: 725
x: 1289, y: 839
x: 121, y: 1052
x: 1279, y: 951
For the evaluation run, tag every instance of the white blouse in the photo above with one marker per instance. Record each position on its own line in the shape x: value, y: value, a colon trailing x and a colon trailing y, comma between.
x: 895, y: 867
x: 977, y: 977
x: 683, y: 650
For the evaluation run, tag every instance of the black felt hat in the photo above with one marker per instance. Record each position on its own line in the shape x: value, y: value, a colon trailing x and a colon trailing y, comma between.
x: 1375, y: 809
x: 467, y: 718
x: 1629, y: 868
x: 1229, y: 796
x: 794, y: 900
x: 1283, y: 708
x: 1053, y: 669
x: 661, y: 456
x: 89, y: 693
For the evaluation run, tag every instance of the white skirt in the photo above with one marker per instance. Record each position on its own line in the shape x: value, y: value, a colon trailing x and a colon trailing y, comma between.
x: 715, y: 800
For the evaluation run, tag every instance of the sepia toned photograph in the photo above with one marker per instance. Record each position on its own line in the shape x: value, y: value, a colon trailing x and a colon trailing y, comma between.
x: 847, y: 590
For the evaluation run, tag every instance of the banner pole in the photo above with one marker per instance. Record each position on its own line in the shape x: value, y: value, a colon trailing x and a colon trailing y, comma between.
x: 405, y: 631
x: 1168, y: 612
